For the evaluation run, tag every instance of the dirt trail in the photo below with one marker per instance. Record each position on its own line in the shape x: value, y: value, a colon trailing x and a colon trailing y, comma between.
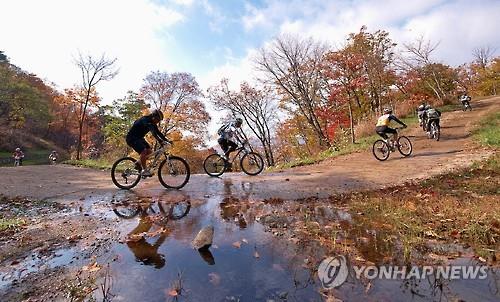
x: 358, y: 171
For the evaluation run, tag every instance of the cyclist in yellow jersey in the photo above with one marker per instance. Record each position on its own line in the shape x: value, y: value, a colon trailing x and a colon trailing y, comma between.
x: 382, y: 128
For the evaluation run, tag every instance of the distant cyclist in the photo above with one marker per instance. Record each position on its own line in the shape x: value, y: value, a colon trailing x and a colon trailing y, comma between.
x: 53, y: 157
x: 465, y: 99
x: 382, y: 128
x: 18, y: 156
x: 431, y: 115
x: 136, y: 134
x: 420, y: 114
x: 228, y: 135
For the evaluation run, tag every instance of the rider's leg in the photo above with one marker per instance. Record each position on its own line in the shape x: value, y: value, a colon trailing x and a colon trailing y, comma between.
x: 224, y: 146
x: 232, y: 146
x: 144, y: 156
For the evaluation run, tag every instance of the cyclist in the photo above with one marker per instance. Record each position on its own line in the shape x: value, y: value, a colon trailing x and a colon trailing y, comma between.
x: 382, y: 128
x: 465, y: 99
x: 431, y: 115
x: 136, y: 134
x: 420, y: 114
x: 53, y: 156
x: 18, y: 156
x: 228, y: 133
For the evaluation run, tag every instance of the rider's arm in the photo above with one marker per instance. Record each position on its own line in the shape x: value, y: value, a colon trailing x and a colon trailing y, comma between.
x: 157, y: 133
x: 393, y: 118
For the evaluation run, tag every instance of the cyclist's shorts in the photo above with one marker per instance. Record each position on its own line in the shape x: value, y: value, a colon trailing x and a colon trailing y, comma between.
x: 385, y: 129
x: 138, y: 145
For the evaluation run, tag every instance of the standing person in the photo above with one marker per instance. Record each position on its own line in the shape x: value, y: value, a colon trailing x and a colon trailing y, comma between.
x: 136, y: 134
x: 18, y: 156
x: 420, y: 114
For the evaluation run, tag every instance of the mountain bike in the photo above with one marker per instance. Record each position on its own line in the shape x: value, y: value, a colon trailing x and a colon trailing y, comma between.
x: 173, y: 171
x: 250, y: 162
x: 434, y: 131
x: 382, y: 148
x: 466, y: 106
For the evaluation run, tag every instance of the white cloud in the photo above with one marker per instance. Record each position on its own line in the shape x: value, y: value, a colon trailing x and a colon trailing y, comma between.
x: 43, y: 37
x: 459, y: 26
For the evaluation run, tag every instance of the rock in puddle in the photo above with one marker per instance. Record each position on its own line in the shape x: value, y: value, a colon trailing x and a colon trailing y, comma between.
x: 203, y: 239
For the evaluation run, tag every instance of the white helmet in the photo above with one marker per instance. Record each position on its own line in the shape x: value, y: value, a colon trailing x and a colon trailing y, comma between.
x: 18, y: 149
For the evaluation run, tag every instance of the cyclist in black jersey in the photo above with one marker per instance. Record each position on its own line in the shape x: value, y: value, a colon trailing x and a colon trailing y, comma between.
x: 136, y: 134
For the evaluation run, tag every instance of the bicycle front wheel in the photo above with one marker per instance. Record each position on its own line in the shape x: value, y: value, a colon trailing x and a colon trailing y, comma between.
x: 252, y: 163
x: 381, y: 150
x: 125, y: 173
x: 404, y: 146
x: 173, y: 172
x: 214, y: 165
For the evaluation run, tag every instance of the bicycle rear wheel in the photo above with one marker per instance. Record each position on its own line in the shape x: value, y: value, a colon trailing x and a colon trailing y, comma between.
x: 214, y: 165
x: 125, y: 174
x: 435, y: 131
x: 174, y: 172
x: 381, y: 150
x: 252, y: 163
x: 404, y: 146
x: 179, y: 209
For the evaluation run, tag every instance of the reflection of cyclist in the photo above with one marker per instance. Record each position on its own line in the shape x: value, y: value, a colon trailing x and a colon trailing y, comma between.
x: 136, y: 134
x: 144, y: 251
x: 382, y: 128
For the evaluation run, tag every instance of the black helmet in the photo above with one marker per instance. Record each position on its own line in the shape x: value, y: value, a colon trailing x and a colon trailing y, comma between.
x: 157, y: 113
x: 239, y: 121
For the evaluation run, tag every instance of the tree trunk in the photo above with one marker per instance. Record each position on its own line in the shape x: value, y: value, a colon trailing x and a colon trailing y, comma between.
x: 351, y: 123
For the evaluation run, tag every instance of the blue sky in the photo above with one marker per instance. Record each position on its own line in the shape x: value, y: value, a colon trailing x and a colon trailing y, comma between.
x: 214, y: 39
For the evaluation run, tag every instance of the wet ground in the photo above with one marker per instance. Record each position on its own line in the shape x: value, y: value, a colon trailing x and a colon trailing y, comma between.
x: 258, y: 254
x: 86, y: 239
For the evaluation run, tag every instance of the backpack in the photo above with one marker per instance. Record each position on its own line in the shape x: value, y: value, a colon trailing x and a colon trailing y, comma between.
x: 222, y: 129
x: 432, y: 114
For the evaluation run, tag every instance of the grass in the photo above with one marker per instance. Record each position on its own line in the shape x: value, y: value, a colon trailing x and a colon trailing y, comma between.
x: 362, y: 143
x: 10, y: 223
x: 488, y: 134
x: 100, y: 164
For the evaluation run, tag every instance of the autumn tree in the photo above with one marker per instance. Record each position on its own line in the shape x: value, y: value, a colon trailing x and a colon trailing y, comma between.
x: 93, y: 71
x: 483, y: 56
x: 293, y: 66
x: 177, y: 95
x: 256, y: 106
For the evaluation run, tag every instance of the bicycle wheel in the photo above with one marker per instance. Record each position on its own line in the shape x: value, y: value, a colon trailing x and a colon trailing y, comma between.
x: 214, y: 165
x: 381, y: 150
x: 435, y: 131
x: 179, y: 209
x: 125, y: 174
x: 125, y: 210
x: 173, y: 172
x: 404, y: 146
x: 252, y: 163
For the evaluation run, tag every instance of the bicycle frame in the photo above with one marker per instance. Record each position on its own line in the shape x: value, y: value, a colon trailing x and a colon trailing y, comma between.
x: 156, y: 155
x: 244, y: 148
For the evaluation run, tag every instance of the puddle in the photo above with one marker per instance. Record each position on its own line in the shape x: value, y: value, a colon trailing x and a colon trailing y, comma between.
x: 254, y: 257
x: 36, y: 262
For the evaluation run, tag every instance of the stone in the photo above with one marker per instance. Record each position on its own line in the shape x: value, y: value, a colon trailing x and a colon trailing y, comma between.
x: 204, y: 238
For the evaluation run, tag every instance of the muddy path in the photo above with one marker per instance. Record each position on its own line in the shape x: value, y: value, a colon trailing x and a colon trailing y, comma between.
x: 81, y: 239
x: 353, y: 172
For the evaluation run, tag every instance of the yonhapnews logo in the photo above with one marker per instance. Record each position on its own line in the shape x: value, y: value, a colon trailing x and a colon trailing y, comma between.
x: 333, y: 272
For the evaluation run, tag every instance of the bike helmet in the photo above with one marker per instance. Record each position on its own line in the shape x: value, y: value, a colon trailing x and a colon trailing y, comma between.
x: 238, y: 122
x: 157, y: 113
x: 421, y: 107
x: 387, y: 111
x: 427, y: 107
x: 18, y: 149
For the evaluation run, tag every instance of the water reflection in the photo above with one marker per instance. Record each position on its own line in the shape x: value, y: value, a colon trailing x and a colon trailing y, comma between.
x: 151, y: 232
